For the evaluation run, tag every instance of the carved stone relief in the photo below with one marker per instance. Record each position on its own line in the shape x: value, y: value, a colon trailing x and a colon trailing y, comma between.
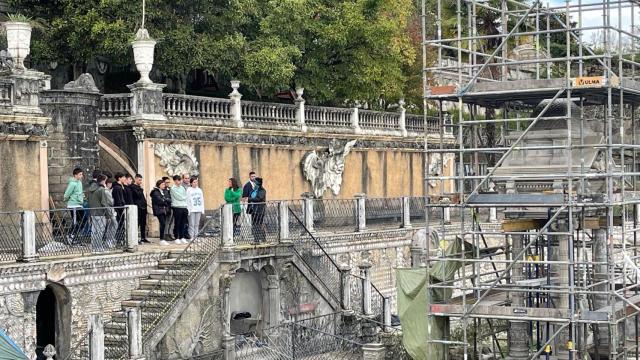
x: 436, y: 166
x: 324, y: 169
x: 83, y: 83
x: 177, y: 159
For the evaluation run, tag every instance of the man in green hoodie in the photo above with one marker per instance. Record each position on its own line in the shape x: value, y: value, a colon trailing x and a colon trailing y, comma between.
x: 74, y: 197
x: 100, y: 208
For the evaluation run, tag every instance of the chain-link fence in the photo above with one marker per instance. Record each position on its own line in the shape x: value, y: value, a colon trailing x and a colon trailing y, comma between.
x: 257, y: 223
x: 335, y: 215
x: 10, y: 236
x: 383, y: 212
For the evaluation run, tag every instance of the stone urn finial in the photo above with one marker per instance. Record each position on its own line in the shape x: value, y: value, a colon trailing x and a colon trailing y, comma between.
x: 49, y: 352
x: 299, y: 92
x: 143, y: 49
x: 18, y: 40
x: 235, y: 85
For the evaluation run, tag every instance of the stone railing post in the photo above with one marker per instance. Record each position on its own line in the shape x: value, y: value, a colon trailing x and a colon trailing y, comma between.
x: 283, y: 218
x: 638, y: 213
x: 365, y: 269
x: 28, y: 231
x: 227, y: 224
x: 403, y: 118
x: 236, y: 105
x: 228, y: 340
x: 448, y: 124
x: 406, y: 212
x: 361, y: 211
x: 386, y: 313
x: 355, y: 120
x: 308, y: 211
x: 131, y: 223
x: 300, y: 116
x: 96, y: 337
x: 345, y: 277
x: 147, y: 102
x: 134, y: 321
x: 373, y: 351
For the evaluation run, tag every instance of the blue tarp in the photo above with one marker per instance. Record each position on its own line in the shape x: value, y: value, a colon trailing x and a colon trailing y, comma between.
x: 9, y: 350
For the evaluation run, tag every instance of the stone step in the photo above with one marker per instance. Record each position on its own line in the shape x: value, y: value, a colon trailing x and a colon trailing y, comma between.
x: 150, y: 284
x: 172, y: 263
x: 115, y: 339
x: 146, y: 315
x: 172, y: 274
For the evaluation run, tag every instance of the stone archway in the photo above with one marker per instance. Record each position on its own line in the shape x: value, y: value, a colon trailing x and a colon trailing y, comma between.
x: 245, y: 302
x: 53, y: 320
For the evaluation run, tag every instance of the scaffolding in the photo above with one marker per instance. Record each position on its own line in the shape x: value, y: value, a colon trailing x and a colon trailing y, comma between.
x: 543, y: 101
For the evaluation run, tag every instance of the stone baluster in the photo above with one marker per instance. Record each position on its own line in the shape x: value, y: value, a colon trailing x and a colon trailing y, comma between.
x: 308, y: 211
x: 361, y: 212
x: 227, y: 225
x: 345, y: 277
x: 283, y: 218
x: 300, y: 114
x: 406, y: 212
x: 365, y: 269
x: 28, y: 231
x: 236, y: 106
x: 134, y: 322
x: 386, y: 313
x: 402, y: 121
x: 96, y: 337
x: 131, y: 222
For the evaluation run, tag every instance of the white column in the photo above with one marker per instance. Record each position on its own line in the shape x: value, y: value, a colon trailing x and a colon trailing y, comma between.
x: 134, y: 322
x: 227, y: 339
x: 403, y: 118
x: 274, y: 300
x: 365, y: 268
x: 386, y: 313
x: 308, y: 213
x: 131, y: 223
x: 236, y: 105
x: 345, y: 277
x: 355, y: 121
x: 406, y: 212
x: 28, y: 230
x: 493, y: 215
x: 361, y: 211
x: 283, y: 208
x: 96, y: 339
x: 227, y: 224
x: 300, y: 116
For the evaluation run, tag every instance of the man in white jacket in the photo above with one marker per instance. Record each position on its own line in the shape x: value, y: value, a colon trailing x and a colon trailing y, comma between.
x: 195, y: 206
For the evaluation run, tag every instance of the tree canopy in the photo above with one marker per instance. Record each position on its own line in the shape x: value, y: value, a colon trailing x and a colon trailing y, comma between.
x: 339, y: 51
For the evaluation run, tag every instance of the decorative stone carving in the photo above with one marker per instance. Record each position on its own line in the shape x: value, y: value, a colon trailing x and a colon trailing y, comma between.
x: 324, y: 170
x: 18, y: 41
x: 57, y: 273
x: 83, y: 83
x: 49, y: 352
x: 19, y: 128
x: 15, y: 304
x: 6, y: 61
x: 177, y: 158
x: 143, y: 49
x: 436, y: 164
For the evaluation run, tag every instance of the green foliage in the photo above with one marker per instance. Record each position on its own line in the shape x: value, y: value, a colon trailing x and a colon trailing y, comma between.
x: 340, y: 51
x: 18, y: 18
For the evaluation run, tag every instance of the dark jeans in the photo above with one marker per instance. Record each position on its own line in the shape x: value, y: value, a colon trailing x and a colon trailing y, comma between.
x: 163, y: 221
x: 181, y: 216
x: 257, y: 228
x: 121, y: 219
x: 142, y: 223
x: 77, y: 222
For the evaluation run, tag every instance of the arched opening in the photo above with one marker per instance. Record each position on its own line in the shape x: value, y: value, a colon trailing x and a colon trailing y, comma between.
x: 245, y: 297
x: 53, y: 320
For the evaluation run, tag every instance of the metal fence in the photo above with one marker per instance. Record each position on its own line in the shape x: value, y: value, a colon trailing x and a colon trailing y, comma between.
x: 116, y: 342
x: 383, y: 211
x: 10, y: 236
x: 80, y: 231
x: 257, y: 223
x: 336, y: 215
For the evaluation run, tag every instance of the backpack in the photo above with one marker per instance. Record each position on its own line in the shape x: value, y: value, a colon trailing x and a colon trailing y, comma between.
x: 254, y: 193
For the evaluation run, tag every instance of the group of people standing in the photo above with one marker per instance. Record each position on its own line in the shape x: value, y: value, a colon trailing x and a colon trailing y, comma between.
x: 177, y: 203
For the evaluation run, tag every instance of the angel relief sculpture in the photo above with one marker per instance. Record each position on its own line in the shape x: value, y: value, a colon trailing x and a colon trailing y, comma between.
x: 177, y: 159
x: 324, y: 169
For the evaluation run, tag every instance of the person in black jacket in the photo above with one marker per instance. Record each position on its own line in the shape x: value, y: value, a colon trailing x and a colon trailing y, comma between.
x: 119, y: 202
x: 139, y: 200
x: 161, y: 203
x: 128, y: 191
x: 257, y: 199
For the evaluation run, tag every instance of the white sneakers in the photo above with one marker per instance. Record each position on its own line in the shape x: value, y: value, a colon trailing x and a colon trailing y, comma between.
x: 176, y: 242
x: 164, y: 242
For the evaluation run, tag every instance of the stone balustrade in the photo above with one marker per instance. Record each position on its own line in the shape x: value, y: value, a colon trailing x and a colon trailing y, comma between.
x: 234, y: 112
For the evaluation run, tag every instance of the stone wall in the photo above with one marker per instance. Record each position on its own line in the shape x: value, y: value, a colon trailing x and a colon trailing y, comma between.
x: 20, y: 183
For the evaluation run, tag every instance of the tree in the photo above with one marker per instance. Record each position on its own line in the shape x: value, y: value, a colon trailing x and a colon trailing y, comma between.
x: 340, y: 51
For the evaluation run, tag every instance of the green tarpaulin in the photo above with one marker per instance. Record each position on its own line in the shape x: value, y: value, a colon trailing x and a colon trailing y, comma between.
x: 412, y: 303
x: 9, y: 350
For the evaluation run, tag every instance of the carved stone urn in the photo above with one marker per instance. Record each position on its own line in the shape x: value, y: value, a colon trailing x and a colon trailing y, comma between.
x: 18, y: 41
x: 143, y: 48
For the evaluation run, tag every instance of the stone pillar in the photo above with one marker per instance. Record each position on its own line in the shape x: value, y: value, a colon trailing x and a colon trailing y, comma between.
x: 274, y: 300
x: 518, y: 330
x: 28, y: 231
x: 599, y: 254
x: 73, y: 141
x: 236, y: 105
x: 96, y: 338
x: 146, y: 102
x: 373, y: 351
x: 386, y: 313
x: 355, y: 121
x: 227, y: 225
x: 416, y: 256
x: 300, y: 115
x: 345, y: 280
x: 134, y: 322
x: 361, y: 211
x: 403, y: 118
x: 406, y: 212
x: 283, y: 218
x: 308, y: 211
x: 447, y: 215
x: 638, y: 213
x: 131, y: 223
x: 365, y: 269
x: 561, y: 272
x: 228, y: 341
